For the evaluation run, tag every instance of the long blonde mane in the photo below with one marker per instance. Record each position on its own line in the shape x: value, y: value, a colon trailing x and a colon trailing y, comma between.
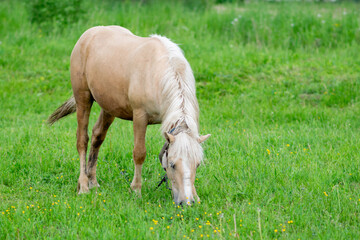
x: 178, y: 89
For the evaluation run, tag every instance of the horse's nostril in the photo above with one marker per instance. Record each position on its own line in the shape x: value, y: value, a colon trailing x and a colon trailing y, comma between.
x: 186, y: 203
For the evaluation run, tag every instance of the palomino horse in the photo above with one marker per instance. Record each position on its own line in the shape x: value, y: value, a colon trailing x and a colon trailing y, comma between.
x: 146, y: 80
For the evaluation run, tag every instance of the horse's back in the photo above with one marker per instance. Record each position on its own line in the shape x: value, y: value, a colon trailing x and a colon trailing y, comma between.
x: 122, y: 71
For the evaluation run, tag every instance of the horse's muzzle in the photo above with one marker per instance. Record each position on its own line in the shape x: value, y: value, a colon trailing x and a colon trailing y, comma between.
x: 186, y: 203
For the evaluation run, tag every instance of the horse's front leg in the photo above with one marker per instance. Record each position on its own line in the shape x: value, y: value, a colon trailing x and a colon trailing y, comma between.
x: 140, y: 120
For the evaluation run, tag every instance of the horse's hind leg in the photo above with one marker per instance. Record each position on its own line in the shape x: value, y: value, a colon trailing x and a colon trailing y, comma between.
x: 98, y: 136
x: 140, y: 121
x: 83, y: 106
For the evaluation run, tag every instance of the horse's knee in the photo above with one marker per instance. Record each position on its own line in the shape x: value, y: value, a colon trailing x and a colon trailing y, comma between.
x: 139, y: 155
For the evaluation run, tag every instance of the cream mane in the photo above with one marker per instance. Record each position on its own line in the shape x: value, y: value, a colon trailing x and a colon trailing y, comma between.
x: 178, y: 88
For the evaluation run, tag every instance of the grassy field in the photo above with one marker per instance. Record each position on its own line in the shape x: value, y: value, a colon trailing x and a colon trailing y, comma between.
x: 278, y: 86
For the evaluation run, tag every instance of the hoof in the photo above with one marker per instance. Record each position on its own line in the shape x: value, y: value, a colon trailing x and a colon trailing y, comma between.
x: 137, y: 192
x: 83, y: 185
x: 93, y: 184
x: 82, y: 190
x: 136, y: 189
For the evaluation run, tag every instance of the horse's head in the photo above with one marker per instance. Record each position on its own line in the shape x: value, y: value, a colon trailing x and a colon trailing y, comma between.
x: 180, y: 157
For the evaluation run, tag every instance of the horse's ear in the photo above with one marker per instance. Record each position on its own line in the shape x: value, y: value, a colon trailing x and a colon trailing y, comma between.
x: 203, y: 138
x: 169, y: 137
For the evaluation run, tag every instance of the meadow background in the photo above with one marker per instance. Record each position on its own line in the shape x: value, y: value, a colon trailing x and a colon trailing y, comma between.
x: 277, y: 84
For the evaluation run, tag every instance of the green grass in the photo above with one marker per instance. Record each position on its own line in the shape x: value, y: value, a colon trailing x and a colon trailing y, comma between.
x: 278, y: 91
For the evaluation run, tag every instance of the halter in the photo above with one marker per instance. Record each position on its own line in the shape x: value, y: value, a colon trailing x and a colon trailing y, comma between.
x: 163, y: 151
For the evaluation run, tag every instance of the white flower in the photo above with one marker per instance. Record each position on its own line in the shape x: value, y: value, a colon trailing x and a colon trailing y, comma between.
x: 344, y: 12
x: 323, y: 21
x: 319, y: 15
x: 234, y: 21
x: 292, y: 24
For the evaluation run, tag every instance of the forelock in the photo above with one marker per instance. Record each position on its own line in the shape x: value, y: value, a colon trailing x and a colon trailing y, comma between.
x: 187, y: 148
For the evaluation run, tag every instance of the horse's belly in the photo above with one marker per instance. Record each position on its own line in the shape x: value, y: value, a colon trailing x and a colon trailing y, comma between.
x: 120, y: 107
x: 117, y: 106
x: 115, y: 99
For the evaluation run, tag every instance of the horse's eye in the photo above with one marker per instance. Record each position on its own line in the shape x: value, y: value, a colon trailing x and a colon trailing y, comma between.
x: 172, y: 165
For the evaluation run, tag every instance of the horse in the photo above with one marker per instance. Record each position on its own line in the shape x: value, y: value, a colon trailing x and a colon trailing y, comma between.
x: 146, y: 80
